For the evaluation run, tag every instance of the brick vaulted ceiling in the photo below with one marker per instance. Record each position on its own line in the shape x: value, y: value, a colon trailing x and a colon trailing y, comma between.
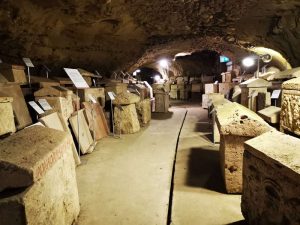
x: 118, y: 34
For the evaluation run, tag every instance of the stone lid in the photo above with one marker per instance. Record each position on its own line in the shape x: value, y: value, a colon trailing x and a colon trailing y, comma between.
x: 281, y: 148
x: 255, y: 82
x: 293, y: 84
x: 235, y: 119
x: 126, y: 98
x: 27, y: 155
x: 57, y: 91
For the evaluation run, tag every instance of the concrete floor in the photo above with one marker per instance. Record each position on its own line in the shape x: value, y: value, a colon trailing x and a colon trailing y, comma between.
x: 199, y: 194
x: 128, y: 180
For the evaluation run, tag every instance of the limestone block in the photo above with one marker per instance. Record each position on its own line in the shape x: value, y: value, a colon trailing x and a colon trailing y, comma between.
x: 144, y: 111
x: 53, y: 197
x: 97, y: 93
x: 60, y: 104
x: 293, y: 84
x: 237, y: 93
x: 22, y: 116
x: 7, y: 123
x: 236, y: 124
x: 126, y: 98
x: 208, y: 98
x: 55, y: 91
x: 225, y: 88
x: 174, y: 87
x: 211, y: 88
x: 270, y: 114
x: 271, y: 180
x: 14, y: 73
x: 144, y: 92
x: 162, y: 102
x: 116, y: 87
x: 226, y: 77
x: 27, y: 155
x: 290, y: 111
x: 183, y: 94
x: 126, y: 119
x: 174, y: 94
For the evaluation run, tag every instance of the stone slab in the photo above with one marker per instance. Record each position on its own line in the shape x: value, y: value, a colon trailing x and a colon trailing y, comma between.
x: 53, y: 199
x: 21, y: 113
x: 162, y: 102
x: 81, y: 131
x: 29, y: 154
x: 14, y: 73
x: 270, y: 114
x: 7, y: 123
x: 55, y: 121
x: 271, y: 179
x: 97, y: 93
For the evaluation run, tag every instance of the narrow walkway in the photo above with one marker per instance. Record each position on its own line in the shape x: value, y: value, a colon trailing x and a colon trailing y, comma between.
x: 199, y: 195
x: 128, y: 180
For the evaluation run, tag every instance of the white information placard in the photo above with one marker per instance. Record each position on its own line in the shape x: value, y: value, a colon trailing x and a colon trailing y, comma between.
x: 28, y: 62
x: 92, y: 98
x: 76, y: 78
x: 276, y: 94
x: 111, y: 95
x: 45, y: 105
x: 36, y: 107
x: 151, y: 90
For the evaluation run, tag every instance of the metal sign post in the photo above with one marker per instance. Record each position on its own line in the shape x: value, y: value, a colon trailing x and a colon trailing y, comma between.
x: 29, y: 64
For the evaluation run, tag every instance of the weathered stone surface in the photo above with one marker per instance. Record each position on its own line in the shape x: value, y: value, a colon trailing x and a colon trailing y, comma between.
x: 225, y: 88
x: 270, y: 114
x: 53, y: 198
x: 27, y: 156
x: 116, y: 87
x: 211, y: 88
x: 97, y: 93
x: 126, y: 98
x: 162, y: 102
x: 208, y: 98
x: 290, y: 111
x: 144, y: 111
x: 236, y: 124
x: 293, y: 84
x: 126, y: 119
x: 7, y: 123
x: 14, y: 73
x: 60, y: 104
x: 55, y: 91
x: 271, y: 179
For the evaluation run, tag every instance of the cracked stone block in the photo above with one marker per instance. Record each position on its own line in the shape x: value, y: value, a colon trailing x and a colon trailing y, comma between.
x: 45, y: 169
x: 236, y: 125
x: 290, y: 106
x: 271, y: 180
x: 7, y: 123
x: 126, y: 119
x: 144, y: 111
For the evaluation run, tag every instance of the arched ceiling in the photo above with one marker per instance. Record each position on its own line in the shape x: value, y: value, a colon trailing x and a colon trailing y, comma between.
x: 115, y: 34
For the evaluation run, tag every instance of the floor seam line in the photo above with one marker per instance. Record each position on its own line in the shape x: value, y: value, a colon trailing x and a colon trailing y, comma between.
x: 169, y: 218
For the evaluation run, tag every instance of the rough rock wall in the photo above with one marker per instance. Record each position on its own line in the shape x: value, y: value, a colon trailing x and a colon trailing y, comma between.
x: 113, y: 34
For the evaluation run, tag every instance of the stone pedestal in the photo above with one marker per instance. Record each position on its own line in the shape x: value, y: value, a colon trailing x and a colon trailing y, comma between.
x: 7, y: 123
x: 43, y: 172
x: 162, y: 102
x: 236, y: 124
x: 250, y: 90
x: 126, y: 119
x: 290, y: 106
x: 271, y: 180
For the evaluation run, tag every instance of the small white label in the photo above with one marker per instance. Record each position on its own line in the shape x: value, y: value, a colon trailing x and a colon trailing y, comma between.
x: 36, y: 107
x: 45, y: 105
x: 92, y: 98
x: 276, y: 94
x: 28, y: 62
x: 151, y: 90
x: 76, y: 78
x: 111, y: 95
